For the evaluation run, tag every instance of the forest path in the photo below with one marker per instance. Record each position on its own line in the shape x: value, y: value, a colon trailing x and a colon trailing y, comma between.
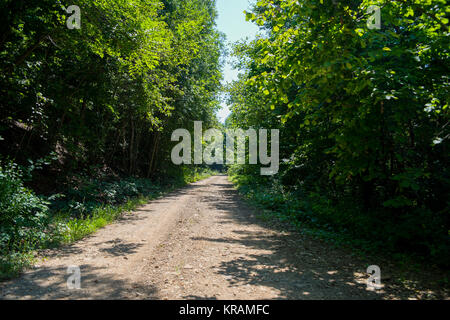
x: 200, y: 242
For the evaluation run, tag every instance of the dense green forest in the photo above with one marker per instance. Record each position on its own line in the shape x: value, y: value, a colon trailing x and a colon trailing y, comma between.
x: 363, y: 118
x: 87, y: 112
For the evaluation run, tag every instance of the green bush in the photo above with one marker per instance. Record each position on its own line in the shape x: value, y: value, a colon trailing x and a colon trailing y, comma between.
x: 89, y: 194
x: 24, y: 217
x: 24, y: 222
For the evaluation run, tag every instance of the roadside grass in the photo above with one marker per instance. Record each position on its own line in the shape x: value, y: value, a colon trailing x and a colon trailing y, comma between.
x: 73, y: 223
x: 74, y: 229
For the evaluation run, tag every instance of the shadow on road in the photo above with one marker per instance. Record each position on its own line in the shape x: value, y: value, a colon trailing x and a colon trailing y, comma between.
x: 50, y: 283
x: 298, y: 266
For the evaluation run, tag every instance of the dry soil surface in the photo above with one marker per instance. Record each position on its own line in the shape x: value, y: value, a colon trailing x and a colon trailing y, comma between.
x: 203, y: 242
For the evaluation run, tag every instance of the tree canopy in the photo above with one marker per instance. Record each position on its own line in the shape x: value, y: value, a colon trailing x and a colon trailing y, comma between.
x: 106, y: 92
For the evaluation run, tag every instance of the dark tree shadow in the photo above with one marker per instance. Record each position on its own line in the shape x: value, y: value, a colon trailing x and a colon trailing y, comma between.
x: 118, y: 248
x: 50, y: 283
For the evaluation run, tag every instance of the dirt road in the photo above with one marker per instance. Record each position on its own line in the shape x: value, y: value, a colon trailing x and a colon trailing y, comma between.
x: 201, y: 242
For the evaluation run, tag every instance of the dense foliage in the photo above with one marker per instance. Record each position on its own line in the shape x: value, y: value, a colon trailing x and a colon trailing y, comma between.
x: 23, y: 216
x: 106, y: 93
x: 363, y: 117
x: 95, y: 104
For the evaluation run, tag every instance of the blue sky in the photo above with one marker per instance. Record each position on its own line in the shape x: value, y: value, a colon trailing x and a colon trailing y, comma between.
x: 232, y: 22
